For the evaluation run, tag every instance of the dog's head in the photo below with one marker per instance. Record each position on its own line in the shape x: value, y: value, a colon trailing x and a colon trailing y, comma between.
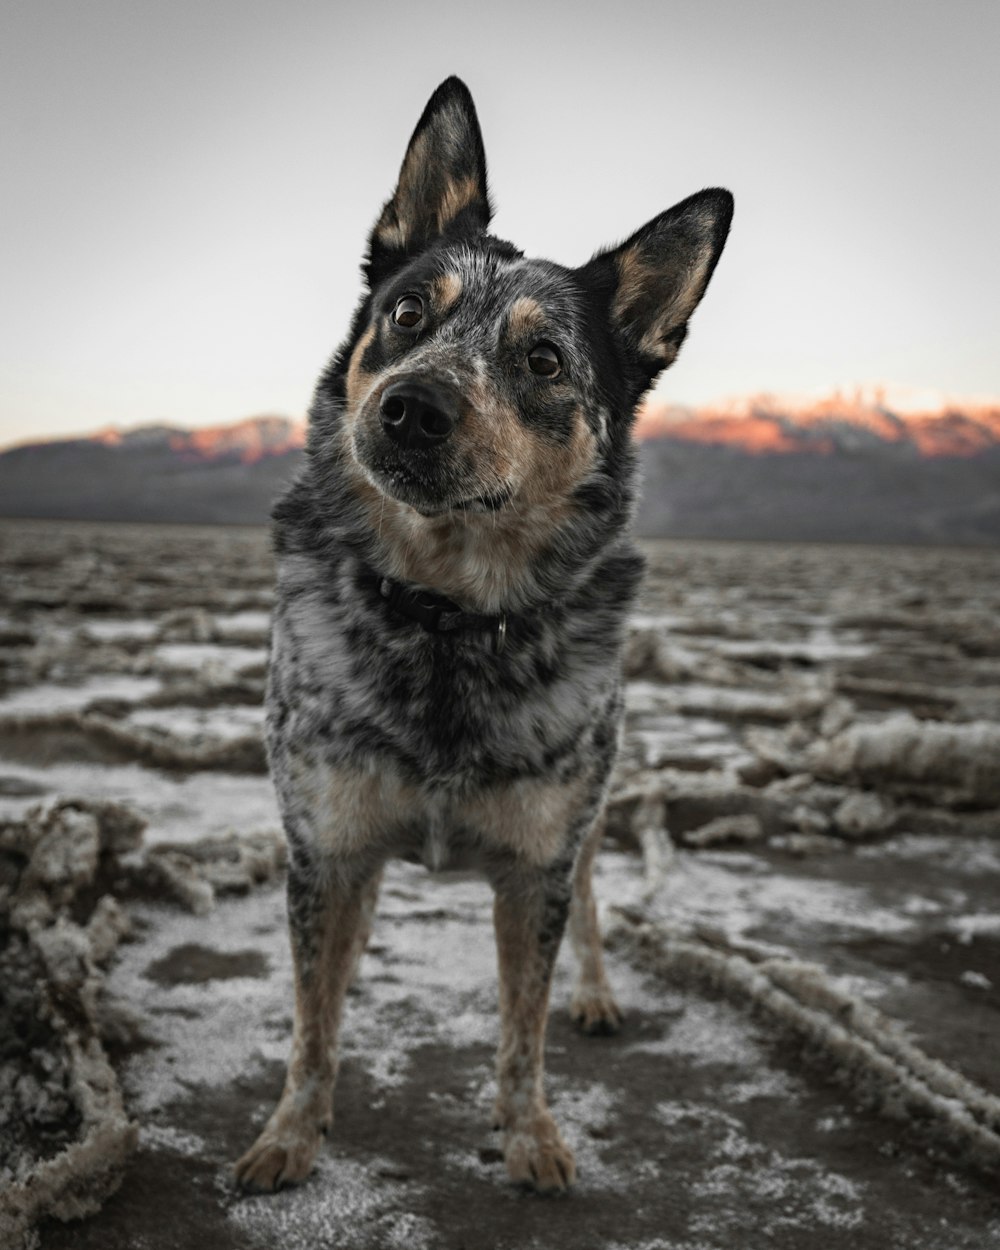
x: 480, y: 384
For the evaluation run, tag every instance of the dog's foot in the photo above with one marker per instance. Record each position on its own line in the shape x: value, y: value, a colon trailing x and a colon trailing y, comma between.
x: 282, y: 1155
x: 536, y: 1155
x: 594, y: 1010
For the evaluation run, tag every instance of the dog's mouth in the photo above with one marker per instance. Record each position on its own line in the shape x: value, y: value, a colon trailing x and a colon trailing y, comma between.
x: 431, y: 471
x: 492, y: 502
x: 428, y: 495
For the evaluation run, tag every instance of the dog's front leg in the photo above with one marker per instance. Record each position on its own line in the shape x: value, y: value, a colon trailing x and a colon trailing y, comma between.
x: 328, y: 918
x: 529, y: 915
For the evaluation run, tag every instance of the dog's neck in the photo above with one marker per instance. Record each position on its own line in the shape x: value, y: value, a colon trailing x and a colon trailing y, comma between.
x: 439, y: 615
x: 485, y: 562
x: 513, y: 560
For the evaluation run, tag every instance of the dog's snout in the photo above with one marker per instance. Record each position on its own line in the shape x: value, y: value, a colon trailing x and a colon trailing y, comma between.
x: 415, y: 414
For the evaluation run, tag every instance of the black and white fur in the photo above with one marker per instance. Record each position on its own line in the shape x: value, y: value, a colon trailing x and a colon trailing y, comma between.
x: 510, y: 506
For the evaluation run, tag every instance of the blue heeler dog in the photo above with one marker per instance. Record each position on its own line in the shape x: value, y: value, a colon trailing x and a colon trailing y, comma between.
x: 455, y: 575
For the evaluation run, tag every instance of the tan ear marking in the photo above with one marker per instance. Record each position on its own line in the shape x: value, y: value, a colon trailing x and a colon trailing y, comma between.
x: 654, y: 300
x: 394, y: 234
x: 455, y: 196
x: 634, y: 281
x: 420, y: 206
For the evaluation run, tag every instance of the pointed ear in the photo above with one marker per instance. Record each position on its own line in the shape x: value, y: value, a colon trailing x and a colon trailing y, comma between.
x: 655, y: 279
x: 442, y: 183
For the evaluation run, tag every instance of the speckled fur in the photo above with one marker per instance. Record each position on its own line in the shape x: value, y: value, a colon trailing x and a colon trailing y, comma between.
x: 386, y: 740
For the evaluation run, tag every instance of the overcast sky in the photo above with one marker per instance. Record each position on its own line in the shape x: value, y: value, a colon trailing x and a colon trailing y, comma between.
x: 188, y: 184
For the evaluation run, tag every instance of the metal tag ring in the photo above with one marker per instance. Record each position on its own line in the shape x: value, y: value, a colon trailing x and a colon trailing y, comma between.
x: 500, y: 634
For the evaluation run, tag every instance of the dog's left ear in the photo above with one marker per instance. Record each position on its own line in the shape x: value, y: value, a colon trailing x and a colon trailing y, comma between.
x: 442, y: 183
x: 655, y: 280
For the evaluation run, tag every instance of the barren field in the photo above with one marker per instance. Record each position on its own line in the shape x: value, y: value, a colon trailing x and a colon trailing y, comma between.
x: 800, y: 890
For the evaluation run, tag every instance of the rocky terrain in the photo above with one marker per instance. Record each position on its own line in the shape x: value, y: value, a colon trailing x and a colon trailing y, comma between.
x: 799, y: 887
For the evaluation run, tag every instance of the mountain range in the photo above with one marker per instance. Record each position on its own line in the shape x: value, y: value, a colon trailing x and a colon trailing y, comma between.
x: 854, y: 468
x: 864, y: 421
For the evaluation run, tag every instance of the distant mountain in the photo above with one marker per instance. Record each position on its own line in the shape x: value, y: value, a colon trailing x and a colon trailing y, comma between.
x: 855, y: 469
x: 862, y: 421
x: 246, y: 441
x: 838, y: 469
x: 695, y: 490
x: 228, y: 474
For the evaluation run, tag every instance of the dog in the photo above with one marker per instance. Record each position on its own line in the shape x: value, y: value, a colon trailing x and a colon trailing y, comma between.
x: 454, y: 577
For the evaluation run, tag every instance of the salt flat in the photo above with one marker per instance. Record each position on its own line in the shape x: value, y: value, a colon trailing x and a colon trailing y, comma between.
x: 801, y: 879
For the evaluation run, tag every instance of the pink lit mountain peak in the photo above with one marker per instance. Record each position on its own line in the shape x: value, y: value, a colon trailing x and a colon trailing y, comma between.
x: 851, y: 422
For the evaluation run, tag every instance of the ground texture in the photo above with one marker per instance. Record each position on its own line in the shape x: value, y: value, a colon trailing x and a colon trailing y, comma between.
x: 800, y: 890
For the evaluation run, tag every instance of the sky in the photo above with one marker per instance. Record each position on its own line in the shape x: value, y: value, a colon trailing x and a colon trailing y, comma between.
x: 188, y: 186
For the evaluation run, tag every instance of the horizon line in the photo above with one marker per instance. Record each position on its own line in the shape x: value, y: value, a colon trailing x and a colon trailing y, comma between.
x: 902, y: 399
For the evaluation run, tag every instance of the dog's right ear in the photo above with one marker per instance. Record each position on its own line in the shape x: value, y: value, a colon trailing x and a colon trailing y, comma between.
x: 442, y: 184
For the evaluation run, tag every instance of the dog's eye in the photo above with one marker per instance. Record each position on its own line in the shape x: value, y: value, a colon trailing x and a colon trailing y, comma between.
x: 409, y: 311
x: 544, y: 359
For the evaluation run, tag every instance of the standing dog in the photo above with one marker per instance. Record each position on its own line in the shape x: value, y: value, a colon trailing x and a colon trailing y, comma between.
x: 454, y: 580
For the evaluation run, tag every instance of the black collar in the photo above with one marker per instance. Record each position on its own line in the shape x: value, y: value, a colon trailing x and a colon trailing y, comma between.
x: 438, y: 615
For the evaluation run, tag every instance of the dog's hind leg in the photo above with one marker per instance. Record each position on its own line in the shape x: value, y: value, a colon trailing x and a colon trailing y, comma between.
x: 529, y: 915
x: 329, y: 914
x: 593, y: 1005
x: 369, y: 898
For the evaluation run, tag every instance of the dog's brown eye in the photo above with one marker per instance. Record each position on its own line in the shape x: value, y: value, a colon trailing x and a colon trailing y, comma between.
x: 544, y: 359
x: 409, y: 311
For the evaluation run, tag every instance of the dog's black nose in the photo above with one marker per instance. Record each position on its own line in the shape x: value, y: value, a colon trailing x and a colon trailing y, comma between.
x: 416, y: 415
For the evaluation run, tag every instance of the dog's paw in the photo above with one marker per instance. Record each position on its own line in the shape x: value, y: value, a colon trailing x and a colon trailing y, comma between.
x: 536, y: 1155
x: 279, y: 1157
x: 594, y: 1010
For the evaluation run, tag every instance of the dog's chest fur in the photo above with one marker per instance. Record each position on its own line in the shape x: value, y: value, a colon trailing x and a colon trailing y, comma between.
x: 439, y: 748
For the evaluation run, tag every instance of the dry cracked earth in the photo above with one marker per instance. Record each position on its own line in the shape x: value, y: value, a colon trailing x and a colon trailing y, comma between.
x: 799, y: 887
